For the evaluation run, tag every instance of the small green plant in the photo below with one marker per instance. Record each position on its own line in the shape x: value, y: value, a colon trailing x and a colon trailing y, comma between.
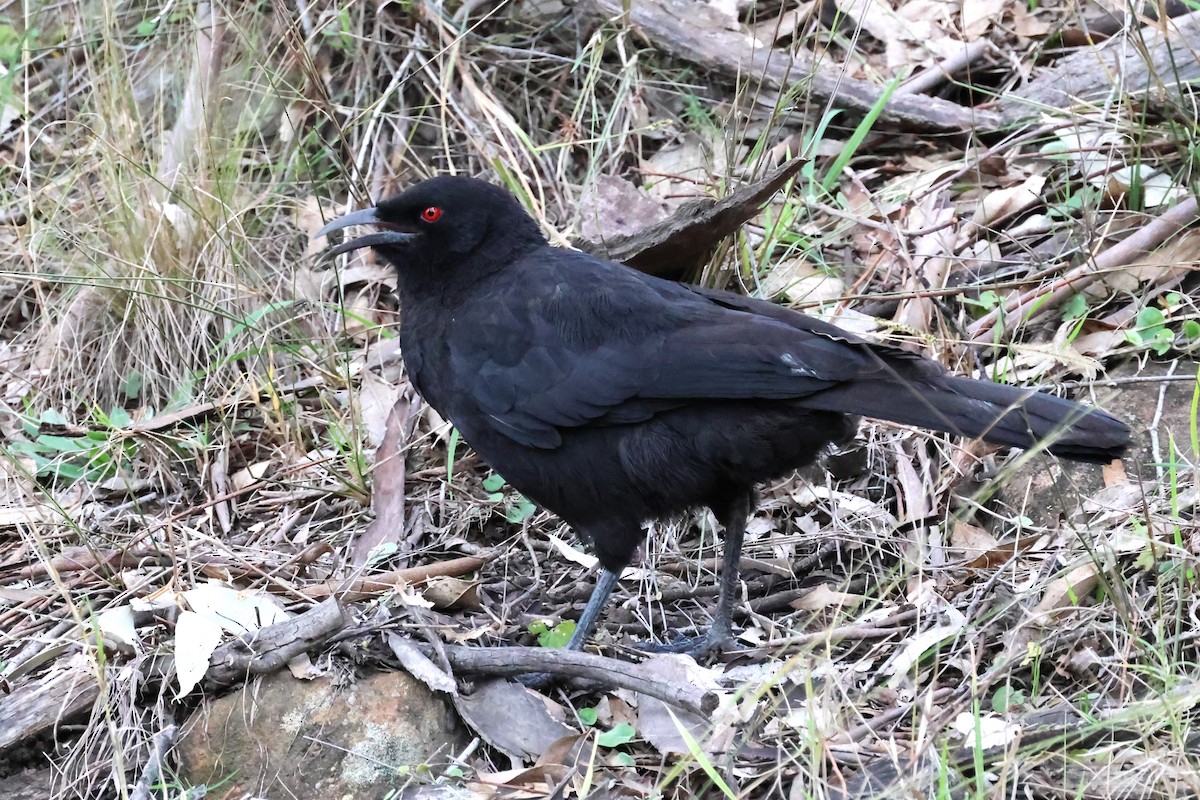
x: 620, y: 734
x: 1150, y: 330
x: 1006, y: 699
x: 987, y: 300
x: 516, y: 508
x: 617, y: 735
x: 95, y: 455
x: 338, y: 34
x: 552, y: 637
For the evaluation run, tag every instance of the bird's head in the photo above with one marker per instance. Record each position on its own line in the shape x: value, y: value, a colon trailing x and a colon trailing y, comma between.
x: 439, y: 222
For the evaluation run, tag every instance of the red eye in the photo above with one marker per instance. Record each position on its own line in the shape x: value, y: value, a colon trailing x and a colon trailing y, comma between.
x: 431, y: 214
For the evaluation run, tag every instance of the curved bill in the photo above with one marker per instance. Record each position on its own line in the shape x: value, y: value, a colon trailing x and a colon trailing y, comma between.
x: 367, y: 216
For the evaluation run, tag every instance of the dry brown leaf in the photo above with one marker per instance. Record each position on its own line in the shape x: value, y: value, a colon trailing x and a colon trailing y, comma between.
x: 1066, y: 591
x: 537, y: 781
x: 1028, y: 24
x: 446, y: 592
x: 512, y: 719
x: 309, y: 217
x: 376, y: 399
x: 613, y: 206
x: 979, y: 15
x: 419, y: 665
x: 1114, y: 473
x: 388, y: 484
x: 821, y: 597
x: 1003, y: 552
x: 248, y: 476
x: 971, y: 540
x: 677, y: 173
x: 661, y: 725
x: 801, y: 281
x: 1004, y: 203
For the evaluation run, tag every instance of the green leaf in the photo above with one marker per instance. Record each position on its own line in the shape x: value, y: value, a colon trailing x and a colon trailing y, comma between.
x: 64, y: 444
x: 1150, y: 317
x: 52, y: 416
x: 621, y: 733
x: 251, y: 320
x: 63, y: 471
x: 557, y: 637
x: 587, y: 716
x: 10, y: 46
x: 1076, y: 307
x: 493, y: 483
x: 132, y: 385
x: 1163, y: 340
x: 146, y: 27
x: 519, y: 511
x: 119, y: 418
x: 1006, y: 699
x: 1191, y: 330
x: 451, y: 451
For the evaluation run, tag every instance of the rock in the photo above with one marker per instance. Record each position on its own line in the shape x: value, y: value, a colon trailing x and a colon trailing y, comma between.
x: 283, y: 737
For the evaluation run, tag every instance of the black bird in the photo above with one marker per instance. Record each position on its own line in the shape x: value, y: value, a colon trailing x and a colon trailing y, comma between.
x: 612, y: 397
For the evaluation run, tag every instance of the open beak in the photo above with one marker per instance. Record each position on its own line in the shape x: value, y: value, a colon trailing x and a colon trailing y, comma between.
x: 368, y: 216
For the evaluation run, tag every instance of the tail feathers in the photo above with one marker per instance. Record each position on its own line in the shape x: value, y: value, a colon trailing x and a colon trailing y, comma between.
x: 994, y: 412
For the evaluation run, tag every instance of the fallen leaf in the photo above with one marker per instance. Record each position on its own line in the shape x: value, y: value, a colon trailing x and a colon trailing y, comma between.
x: 196, y: 637
x: 822, y: 596
x: 1067, y: 591
x: 986, y: 730
x: 118, y: 623
x: 919, y: 644
x: 1027, y: 24
x: 447, y: 592
x: 979, y: 15
x: 1003, y: 203
x: 419, y: 665
x: 514, y: 720
x: 660, y: 725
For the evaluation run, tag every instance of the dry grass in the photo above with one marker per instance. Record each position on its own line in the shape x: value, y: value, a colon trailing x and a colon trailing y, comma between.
x: 157, y: 196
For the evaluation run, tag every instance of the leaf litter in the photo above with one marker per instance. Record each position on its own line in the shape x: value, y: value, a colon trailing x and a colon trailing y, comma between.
x: 889, y: 649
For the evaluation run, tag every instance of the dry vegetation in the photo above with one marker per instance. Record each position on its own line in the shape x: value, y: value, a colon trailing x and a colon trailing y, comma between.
x: 189, y: 395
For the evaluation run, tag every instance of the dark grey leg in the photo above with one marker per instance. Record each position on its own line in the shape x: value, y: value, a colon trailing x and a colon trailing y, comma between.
x: 605, y: 583
x: 733, y: 517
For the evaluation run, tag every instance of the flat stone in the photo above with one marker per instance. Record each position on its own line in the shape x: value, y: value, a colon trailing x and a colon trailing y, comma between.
x: 282, y: 737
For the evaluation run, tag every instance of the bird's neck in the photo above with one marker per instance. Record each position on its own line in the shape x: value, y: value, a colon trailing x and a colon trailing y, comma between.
x: 448, y: 282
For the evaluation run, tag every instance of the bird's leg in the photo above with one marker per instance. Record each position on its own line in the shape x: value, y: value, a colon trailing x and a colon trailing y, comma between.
x: 732, y: 516
x: 605, y: 583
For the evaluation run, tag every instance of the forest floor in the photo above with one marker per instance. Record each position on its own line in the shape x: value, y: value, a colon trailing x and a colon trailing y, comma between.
x: 206, y: 432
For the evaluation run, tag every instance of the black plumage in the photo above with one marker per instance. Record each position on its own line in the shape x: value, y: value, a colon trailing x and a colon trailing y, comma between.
x: 612, y: 397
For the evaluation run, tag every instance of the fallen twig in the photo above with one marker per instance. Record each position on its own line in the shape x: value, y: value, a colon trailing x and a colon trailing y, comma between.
x: 586, y: 666
x: 269, y: 648
x: 999, y: 321
x: 352, y: 589
x: 693, y: 32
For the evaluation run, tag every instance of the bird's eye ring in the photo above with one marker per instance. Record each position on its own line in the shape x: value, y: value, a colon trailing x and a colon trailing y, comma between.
x: 431, y: 214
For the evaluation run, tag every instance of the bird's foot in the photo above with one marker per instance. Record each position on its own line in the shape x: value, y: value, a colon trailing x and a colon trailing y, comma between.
x: 716, y: 640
